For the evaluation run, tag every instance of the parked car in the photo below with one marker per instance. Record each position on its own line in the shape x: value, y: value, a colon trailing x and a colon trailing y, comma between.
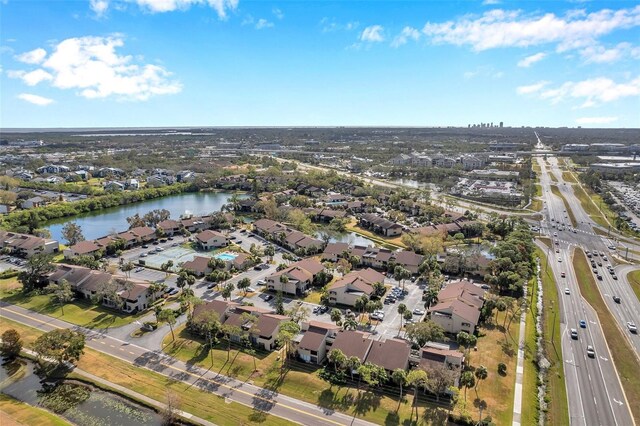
x: 268, y: 297
x: 418, y: 311
x: 211, y: 285
x: 145, y: 246
x: 323, y: 309
x: 262, y: 282
x: 173, y: 291
x: 257, y: 268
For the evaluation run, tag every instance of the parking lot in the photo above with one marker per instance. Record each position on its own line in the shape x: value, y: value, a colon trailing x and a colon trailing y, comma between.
x: 11, y: 262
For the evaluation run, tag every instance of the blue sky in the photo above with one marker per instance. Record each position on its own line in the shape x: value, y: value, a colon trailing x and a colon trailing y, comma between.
x: 107, y: 63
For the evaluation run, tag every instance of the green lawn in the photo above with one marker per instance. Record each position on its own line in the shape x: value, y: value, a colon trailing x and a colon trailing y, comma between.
x: 634, y: 280
x: 556, y: 395
x: 156, y: 386
x: 530, y: 378
x: 568, y: 177
x: 572, y: 218
x: 300, y: 381
x: 590, y: 208
x: 15, y: 412
x: 623, y: 355
x: 77, y: 312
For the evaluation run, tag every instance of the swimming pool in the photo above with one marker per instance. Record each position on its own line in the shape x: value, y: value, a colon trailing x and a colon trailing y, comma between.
x: 226, y: 256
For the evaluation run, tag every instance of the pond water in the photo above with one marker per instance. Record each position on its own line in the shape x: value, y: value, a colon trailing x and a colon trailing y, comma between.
x: 346, y: 237
x: 102, y: 222
x: 101, y: 408
x: 412, y: 183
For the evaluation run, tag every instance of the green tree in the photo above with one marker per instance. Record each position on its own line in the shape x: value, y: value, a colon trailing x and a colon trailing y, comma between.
x: 481, y: 374
x: 336, y: 316
x: 61, y: 345
x: 227, y: 290
x: 423, y: 332
x: 467, y: 380
x: 166, y: 267
x: 37, y: 267
x: 168, y: 316
x: 279, y: 303
x: 61, y: 292
x: 72, y: 232
x: 399, y: 377
x: 349, y: 323
x: 402, y: 309
x: 270, y: 251
x: 416, y: 378
x: 337, y: 358
x: 243, y: 285
x: 467, y: 340
x: 11, y: 344
x: 207, y: 324
x: 288, y: 330
x: 400, y: 273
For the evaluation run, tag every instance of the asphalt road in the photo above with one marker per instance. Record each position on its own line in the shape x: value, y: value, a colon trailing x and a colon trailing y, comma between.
x: 259, y: 399
x: 593, y: 388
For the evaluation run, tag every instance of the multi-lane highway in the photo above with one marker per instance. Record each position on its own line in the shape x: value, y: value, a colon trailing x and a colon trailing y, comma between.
x: 593, y: 388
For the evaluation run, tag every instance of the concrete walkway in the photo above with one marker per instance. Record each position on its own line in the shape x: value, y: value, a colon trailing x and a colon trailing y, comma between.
x: 517, y: 396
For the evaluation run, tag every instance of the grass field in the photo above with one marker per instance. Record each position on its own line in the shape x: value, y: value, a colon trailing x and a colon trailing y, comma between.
x: 15, y: 412
x: 553, y: 177
x: 393, y: 243
x: 156, y: 386
x: 530, y: 378
x: 536, y: 205
x: 556, y: 396
x: 590, y: 208
x: 572, y: 218
x: 622, y: 353
x: 634, y: 280
x: 299, y: 381
x: 78, y: 312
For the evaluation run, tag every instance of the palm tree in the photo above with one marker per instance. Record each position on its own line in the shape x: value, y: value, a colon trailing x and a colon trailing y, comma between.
x: 361, y: 304
x: 165, y: 267
x: 399, y: 376
x: 349, y: 324
x: 336, y: 316
x: 402, y: 308
x: 481, y: 374
x: 352, y: 364
x: 337, y: 358
x: 467, y: 380
x: 416, y: 378
x: 431, y: 297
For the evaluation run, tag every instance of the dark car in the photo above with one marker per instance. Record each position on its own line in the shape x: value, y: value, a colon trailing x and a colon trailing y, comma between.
x: 211, y: 285
x: 616, y: 299
x: 145, y: 246
x: 324, y: 309
x: 164, y: 240
x: 257, y: 268
x: 170, y: 238
x: 155, y: 243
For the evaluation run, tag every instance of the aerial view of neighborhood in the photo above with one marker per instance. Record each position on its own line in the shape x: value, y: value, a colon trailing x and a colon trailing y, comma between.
x: 245, y: 213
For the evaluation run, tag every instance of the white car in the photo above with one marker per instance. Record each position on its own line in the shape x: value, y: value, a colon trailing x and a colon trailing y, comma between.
x: 632, y: 327
x: 418, y: 311
x: 567, y: 291
x: 591, y: 353
x: 560, y: 259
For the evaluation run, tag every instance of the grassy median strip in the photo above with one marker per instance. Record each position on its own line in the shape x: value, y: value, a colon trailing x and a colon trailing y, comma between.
x: 530, y: 379
x: 22, y: 413
x: 572, y: 218
x: 623, y: 355
x: 556, y: 397
x: 588, y: 205
x: 634, y: 280
x: 156, y: 386
x: 568, y: 177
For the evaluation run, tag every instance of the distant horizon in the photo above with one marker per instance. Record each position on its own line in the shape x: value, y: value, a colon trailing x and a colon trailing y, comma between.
x: 101, y: 128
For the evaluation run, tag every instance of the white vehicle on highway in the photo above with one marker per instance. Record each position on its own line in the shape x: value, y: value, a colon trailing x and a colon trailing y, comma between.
x: 632, y: 327
x: 567, y: 291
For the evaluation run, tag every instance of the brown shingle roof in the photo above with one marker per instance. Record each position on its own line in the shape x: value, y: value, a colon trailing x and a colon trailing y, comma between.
x: 353, y: 343
x: 390, y: 354
x: 84, y: 247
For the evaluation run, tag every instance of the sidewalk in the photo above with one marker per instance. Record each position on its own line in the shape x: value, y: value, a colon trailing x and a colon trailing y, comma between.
x: 517, y: 397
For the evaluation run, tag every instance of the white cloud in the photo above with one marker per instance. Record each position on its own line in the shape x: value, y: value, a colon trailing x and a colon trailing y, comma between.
x: 596, y: 120
x: 600, y: 54
x: 92, y: 66
x: 372, y: 33
x: 406, y: 34
x: 277, y: 13
x: 159, y: 6
x: 99, y: 7
x: 329, y: 25
x: 34, y: 56
x: 532, y: 88
x: 263, y: 23
x: 591, y: 92
x: 501, y: 28
x: 490, y: 2
x: 35, y: 99
x: 530, y: 60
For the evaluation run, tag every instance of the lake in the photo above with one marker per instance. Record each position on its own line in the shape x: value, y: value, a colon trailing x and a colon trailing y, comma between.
x: 103, y: 222
x: 101, y: 408
x: 347, y: 237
